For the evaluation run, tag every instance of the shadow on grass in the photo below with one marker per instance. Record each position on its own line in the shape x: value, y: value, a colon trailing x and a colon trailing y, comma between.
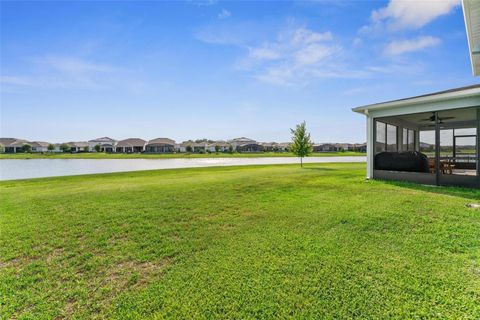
x: 467, y: 193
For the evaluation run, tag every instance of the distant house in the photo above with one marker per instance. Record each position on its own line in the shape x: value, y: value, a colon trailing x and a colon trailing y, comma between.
x: 246, y: 145
x: 275, y: 147
x: 269, y: 146
x: 222, y: 146
x: 12, y: 145
x: 78, y: 146
x: 283, y: 146
x: 39, y: 146
x: 325, y: 147
x: 106, y: 144
x: 160, y: 145
x: 360, y: 147
x: 344, y: 146
x: 199, y: 147
x: 182, y: 147
x: 131, y: 145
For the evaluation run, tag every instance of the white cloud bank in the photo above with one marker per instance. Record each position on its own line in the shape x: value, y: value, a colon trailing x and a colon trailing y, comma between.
x: 298, y: 53
x: 405, y: 14
x: 398, y: 47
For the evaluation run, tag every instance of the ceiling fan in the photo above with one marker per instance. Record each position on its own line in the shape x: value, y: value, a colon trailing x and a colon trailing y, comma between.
x: 432, y: 118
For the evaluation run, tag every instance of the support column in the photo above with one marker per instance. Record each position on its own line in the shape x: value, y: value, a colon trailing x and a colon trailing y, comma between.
x: 437, y: 149
x: 370, y: 146
x: 478, y: 147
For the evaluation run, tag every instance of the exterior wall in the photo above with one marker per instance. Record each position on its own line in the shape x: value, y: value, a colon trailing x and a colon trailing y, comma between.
x: 254, y: 147
x: 39, y: 149
x: 110, y: 146
x: 153, y: 148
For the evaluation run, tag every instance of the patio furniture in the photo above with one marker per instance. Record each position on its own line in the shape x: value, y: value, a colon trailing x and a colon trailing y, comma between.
x: 447, y: 167
x: 411, y: 161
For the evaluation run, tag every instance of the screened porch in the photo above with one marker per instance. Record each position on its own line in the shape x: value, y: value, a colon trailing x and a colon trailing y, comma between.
x: 439, y: 147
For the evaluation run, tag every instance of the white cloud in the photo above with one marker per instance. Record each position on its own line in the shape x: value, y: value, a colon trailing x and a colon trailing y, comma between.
x: 404, y: 14
x: 297, y: 54
x: 264, y: 53
x: 314, y: 53
x: 398, y: 47
x: 224, y: 14
x: 305, y: 36
x: 278, y: 75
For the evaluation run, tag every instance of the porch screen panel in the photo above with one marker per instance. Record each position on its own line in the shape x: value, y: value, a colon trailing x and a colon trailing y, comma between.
x: 391, y: 138
x: 404, y: 139
x: 427, y: 142
x: 381, y: 137
x: 411, y: 140
x: 446, y: 143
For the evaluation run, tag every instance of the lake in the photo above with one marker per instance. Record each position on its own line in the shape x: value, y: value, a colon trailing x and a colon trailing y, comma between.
x: 12, y: 169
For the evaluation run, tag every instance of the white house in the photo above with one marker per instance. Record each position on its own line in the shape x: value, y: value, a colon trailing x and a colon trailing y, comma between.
x: 429, y: 139
x: 245, y: 145
x: 131, y: 145
x: 39, y: 146
x: 106, y: 144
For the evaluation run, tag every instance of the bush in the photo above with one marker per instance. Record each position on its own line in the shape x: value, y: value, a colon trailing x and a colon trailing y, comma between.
x: 65, y: 147
x: 27, y: 148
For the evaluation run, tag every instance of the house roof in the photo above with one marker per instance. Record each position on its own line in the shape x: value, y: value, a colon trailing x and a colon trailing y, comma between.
x: 218, y: 143
x: 102, y: 139
x: 468, y: 91
x: 131, y: 142
x: 243, y: 140
x: 78, y: 144
x: 13, y: 143
x: 251, y: 143
x: 7, y: 141
x: 161, y: 141
x: 284, y: 144
x: 471, y: 13
x: 40, y: 144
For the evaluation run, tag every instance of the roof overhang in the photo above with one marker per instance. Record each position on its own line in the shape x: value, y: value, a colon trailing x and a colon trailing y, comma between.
x: 471, y: 13
x: 428, y: 99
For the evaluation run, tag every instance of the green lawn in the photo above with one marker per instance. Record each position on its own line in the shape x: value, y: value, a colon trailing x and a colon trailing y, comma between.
x: 94, y: 155
x: 237, y: 242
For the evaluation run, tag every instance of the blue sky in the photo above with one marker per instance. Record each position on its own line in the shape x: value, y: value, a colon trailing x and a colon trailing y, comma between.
x: 195, y: 69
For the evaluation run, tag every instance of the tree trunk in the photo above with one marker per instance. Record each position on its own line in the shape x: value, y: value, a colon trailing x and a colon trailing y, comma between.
x: 301, y: 162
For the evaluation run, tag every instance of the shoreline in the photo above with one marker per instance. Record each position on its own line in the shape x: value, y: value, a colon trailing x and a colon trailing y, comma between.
x: 20, y: 156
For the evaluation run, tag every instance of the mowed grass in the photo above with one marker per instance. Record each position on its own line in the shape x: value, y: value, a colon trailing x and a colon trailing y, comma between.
x: 257, y: 242
x: 102, y: 155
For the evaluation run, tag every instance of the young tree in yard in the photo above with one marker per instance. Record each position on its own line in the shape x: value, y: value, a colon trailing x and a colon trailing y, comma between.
x: 301, y: 144
x: 86, y: 148
x: 64, y: 147
x: 27, y: 148
x: 97, y: 148
x: 51, y: 147
x: 230, y: 148
x: 217, y: 148
x: 189, y: 149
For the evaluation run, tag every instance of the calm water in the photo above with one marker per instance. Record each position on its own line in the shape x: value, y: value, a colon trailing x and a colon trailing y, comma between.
x: 37, y: 168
